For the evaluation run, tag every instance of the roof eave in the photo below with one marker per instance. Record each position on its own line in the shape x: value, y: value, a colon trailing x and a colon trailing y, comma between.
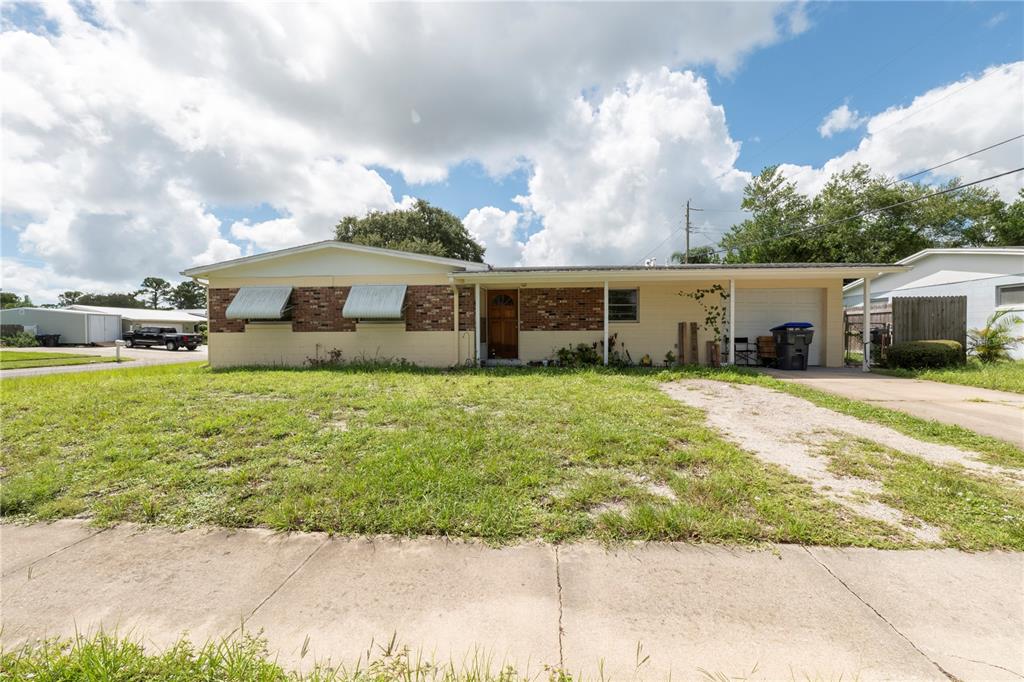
x: 673, y: 275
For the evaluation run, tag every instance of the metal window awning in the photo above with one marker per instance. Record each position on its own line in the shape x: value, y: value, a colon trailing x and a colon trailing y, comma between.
x: 375, y: 302
x: 259, y: 303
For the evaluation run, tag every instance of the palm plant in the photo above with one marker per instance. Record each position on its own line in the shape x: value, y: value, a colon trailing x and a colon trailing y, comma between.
x: 993, y: 342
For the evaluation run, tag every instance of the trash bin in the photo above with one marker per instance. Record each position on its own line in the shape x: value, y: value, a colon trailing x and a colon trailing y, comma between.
x: 48, y: 340
x: 791, y: 344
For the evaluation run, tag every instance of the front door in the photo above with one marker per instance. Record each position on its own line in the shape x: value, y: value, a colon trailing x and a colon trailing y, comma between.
x: 503, y: 324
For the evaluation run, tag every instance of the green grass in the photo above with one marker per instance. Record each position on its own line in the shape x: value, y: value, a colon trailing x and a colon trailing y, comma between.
x: 495, y: 455
x: 11, y: 359
x: 501, y: 455
x: 973, y: 512
x: 999, y: 376
x: 109, y: 658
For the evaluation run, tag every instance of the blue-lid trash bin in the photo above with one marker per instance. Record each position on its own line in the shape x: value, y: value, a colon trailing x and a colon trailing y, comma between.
x: 791, y: 344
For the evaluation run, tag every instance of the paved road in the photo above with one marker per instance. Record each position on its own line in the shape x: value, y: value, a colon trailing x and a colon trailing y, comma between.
x: 141, y: 357
x: 993, y: 413
x: 792, y: 612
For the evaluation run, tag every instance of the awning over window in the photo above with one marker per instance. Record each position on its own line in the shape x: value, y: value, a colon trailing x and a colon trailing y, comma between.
x: 259, y: 303
x: 375, y: 302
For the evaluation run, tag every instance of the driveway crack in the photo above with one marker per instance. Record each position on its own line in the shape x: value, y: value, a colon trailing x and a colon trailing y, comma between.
x: 561, y: 629
x: 285, y: 581
x: 32, y: 563
x: 885, y: 620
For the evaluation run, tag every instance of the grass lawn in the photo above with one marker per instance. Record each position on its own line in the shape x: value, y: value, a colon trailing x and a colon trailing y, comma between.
x: 1000, y: 376
x: 500, y: 455
x: 12, y: 359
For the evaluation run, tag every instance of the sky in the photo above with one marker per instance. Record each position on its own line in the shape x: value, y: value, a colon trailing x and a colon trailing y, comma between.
x: 141, y: 139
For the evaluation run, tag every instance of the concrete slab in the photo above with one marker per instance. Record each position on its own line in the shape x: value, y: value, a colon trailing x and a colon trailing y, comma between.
x: 994, y: 413
x: 155, y: 583
x: 964, y: 611
x: 452, y: 600
x: 20, y: 545
x: 725, y: 611
x: 140, y: 357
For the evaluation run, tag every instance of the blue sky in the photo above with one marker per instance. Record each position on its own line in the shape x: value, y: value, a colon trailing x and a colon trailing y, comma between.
x: 147, y: 125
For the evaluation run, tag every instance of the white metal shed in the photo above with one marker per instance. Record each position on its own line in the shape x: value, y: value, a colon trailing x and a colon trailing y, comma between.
x: 74, y: 326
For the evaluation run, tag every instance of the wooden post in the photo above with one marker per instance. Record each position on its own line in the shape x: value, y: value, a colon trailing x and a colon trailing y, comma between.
x: 865, y: 329
x: 732, y: 322
x: 606, y: 322
x: 476, y: 325
x: 694, y: 352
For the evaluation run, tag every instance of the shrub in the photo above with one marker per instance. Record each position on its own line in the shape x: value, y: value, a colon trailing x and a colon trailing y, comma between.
x: 925, y: 354
x: 993, y: 342
x: 578, y: 356
x: 19, y: 340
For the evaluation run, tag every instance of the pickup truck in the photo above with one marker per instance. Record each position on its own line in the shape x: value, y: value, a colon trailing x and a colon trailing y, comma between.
x: 168, y: 337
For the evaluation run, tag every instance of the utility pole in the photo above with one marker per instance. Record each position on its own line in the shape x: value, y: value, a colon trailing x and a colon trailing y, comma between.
x: 686, y: 253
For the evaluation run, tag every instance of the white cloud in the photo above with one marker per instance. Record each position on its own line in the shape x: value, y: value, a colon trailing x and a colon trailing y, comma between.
x: 500, y: 232
x: 939, y: 125
x: 119, y: 137
x: 611, y: 183
x: 840, y: 119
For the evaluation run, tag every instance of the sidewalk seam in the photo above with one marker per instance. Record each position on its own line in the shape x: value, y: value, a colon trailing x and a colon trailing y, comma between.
x: 32, y: 563
x: 284, y: 582
x: 828, y: 570
x: 561, y: 631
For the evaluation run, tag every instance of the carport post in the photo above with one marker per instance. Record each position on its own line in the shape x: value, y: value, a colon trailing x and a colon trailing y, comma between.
x: 865, y: 327
x: 476, y: 324
x: 732, y: 321
x: 606, y: 322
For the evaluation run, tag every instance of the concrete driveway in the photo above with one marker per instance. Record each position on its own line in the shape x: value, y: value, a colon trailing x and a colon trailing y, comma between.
x: 993, y: 413
x: 141, y: 357
x: 784, y: 612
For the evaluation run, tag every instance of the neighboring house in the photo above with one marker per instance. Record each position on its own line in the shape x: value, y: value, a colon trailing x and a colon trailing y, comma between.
x: 133, y: 318
x: 74, y: 326
x: 287, y: 307
x: 991, y: 279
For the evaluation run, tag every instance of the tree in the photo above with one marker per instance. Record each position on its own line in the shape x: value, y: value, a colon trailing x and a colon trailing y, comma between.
x: 9, y: 299
x: 188, y: 294
x: 154, y: 291
x: 421, y: 229
x: 114, y: 300
x: 993, y: 342
x: 69, y: 298
x: 698, y: 255
x: 861, y: 217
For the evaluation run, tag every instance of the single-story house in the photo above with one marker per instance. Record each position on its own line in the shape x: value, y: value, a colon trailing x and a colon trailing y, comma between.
x: 73, y: 326
x: 299, y: 304
x: 991, y: 279
x: 133, y: 318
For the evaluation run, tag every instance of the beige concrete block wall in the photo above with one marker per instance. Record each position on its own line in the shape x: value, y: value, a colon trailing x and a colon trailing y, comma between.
x: 541, y: 345
x: 277, y: 344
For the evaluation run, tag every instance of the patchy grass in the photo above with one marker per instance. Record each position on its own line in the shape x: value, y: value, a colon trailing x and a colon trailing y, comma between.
x: 10, y: 359
x: 973, y: 512
x: 500, y: 455
x: 998, y: 376
x: 240, y: 659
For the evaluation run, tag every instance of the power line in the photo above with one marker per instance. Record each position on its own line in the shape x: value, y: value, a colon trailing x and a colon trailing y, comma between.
x: 873, y: 210
x: 959, y: 158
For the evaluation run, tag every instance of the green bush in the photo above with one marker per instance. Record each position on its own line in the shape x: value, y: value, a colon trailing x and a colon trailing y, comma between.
x: 580, y: 355
x: 19, y: 340
x: 925, y: 354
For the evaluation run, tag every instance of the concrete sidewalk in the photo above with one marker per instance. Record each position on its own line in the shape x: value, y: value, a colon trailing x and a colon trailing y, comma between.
x: 994, y: 413
x: 788, y: 611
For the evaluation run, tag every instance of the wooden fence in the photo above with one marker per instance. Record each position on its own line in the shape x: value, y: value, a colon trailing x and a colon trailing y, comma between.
x: 881, y: 316
x: 919, y: 318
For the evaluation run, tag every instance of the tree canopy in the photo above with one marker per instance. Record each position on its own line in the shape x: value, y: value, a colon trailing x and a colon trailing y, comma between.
x: 787, y: 226
x: 9, y: 299
x: 188, y: 294
x: 422, y: 229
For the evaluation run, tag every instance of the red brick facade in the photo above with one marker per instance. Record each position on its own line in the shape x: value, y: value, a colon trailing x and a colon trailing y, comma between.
x: 575, y: 309
x: 429, y: 309
x: 467, y: 309
x: 318, y: 309
x: 219, y: 301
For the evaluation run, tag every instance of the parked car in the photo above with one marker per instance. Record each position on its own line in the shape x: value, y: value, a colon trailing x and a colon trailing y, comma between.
x: 168, y: 337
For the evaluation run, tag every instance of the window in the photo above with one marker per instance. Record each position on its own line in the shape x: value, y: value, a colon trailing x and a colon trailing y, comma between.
x: 1010, y: 295
x: 623, y: 305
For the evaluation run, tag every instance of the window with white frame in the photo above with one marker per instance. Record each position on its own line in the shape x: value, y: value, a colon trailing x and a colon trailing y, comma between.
x: 623, y: 305
x: 1012, y: 294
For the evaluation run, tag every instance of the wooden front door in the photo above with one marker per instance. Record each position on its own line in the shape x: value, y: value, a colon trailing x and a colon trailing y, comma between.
x: 503, y: 324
